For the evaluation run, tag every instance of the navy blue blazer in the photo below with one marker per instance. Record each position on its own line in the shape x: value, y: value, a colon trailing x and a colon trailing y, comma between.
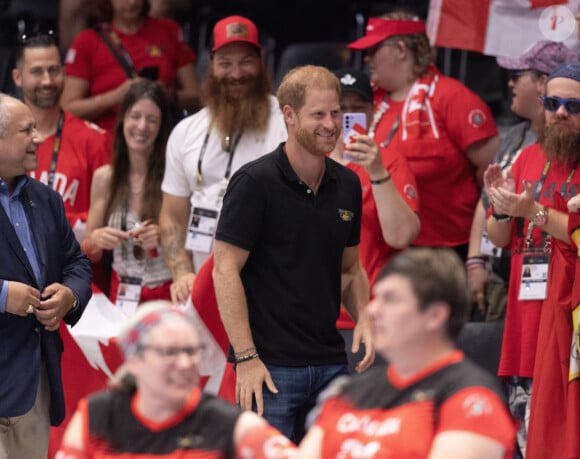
x: 24, y: 342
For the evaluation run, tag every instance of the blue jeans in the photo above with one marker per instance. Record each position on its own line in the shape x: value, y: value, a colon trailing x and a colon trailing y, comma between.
x: 298, y: 389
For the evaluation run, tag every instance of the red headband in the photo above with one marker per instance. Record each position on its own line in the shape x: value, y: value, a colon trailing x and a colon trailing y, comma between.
x: 380, y: 29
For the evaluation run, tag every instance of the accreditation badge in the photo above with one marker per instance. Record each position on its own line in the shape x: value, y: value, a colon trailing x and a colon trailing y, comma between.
x: 202, y: 228
x: 129, y: 294
x: 534, y: 276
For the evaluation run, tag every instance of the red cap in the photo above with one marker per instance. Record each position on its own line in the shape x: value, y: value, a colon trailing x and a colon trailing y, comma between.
x: 234, y: 29
x: 379, y: 29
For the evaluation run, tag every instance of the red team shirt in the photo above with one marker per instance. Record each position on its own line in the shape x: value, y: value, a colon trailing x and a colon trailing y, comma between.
x: 159, y: 42
x: 445, y: 177
x: 374, y: 252
x: 523, y: 316
x: 82, y: 150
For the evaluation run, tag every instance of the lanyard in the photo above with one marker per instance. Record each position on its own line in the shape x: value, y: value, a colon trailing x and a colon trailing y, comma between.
x: 138, y: 251
x: 383, y: 107
x: 537, y: 192
x: 55, y: 149
x: 231, y: 148
x: 129, y: 67
x: 518, y: 145
x: 385, y: 143
x: 124, y: 205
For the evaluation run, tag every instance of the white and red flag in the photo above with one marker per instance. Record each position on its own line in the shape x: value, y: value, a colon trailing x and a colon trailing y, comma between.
x: 501, y: 27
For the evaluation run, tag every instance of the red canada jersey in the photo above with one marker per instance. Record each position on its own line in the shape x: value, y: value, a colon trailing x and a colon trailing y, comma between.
x: 83, y: 149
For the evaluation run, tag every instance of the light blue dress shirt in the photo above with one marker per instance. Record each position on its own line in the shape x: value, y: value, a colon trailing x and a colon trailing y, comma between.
x: 13, y: 207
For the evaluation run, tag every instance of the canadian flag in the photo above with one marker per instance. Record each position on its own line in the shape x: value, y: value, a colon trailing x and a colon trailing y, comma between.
x: 91, y: 355
x: 501, y: 27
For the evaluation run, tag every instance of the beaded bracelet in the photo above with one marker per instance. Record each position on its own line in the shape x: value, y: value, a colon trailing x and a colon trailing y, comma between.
x: 501, y: 217
x: 474, y: 261
x: 245, y: 358
x: 245, y: 351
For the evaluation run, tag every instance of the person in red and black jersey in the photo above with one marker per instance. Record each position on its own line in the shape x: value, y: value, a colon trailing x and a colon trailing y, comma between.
x: 430, y: 401
x: 158, y: 408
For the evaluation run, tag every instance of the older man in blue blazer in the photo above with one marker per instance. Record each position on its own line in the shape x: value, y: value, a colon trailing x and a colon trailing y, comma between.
x: 44, y: 278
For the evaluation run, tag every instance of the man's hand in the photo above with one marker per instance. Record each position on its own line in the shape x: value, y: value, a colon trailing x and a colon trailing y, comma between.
x: 511, y: 203
x: 181, y: 288
x: 362, y: 334
x: 250, y: 378
x: 57, y: 301
x: 22, y: 299
x: 493, y: 178
x: 477, y: 279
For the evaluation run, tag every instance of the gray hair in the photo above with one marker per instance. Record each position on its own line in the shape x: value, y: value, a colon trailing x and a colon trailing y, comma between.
x: 5, y: 116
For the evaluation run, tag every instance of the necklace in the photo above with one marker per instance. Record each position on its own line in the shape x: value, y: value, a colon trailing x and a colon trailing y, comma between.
x: 138, y: 189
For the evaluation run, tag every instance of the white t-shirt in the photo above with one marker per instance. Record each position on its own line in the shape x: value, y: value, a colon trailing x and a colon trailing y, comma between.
x: 184, y: 147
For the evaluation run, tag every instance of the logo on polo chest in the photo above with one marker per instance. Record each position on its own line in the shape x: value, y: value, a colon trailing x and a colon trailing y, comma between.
x: 345, y: 215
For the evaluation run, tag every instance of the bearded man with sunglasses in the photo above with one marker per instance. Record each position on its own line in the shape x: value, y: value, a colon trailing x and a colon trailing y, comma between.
x: 524, y: 219
x: 488, y: 266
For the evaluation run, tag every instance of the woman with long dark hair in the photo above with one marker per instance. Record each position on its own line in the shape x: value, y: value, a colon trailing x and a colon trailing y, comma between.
x: 126, y: 199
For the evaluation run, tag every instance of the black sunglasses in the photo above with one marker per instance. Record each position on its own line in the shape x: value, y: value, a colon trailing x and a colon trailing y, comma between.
x: 553, y: 103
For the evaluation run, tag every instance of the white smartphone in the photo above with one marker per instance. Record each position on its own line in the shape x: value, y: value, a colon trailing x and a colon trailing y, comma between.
x: 353, y: 124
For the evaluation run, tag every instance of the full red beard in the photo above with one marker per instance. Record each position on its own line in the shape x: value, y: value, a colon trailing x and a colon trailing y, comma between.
x: 561, y: 142
x: 232, y: 113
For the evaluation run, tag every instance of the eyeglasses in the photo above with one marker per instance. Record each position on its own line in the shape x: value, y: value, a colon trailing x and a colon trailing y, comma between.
x: 553, y: 103
x: 514, y: 75
x: 172, y: 352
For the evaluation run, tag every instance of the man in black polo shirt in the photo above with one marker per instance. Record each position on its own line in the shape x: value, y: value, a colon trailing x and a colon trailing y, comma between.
x: 288, y: 234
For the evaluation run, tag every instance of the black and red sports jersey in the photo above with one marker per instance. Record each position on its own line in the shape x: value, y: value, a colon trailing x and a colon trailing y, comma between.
x: 202, y: 429
x: 377, y: 414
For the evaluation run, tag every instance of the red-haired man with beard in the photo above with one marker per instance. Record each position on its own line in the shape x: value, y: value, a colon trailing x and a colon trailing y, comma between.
x: 286, y: 253
x: 524, y: 219
x: 241, y: 122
